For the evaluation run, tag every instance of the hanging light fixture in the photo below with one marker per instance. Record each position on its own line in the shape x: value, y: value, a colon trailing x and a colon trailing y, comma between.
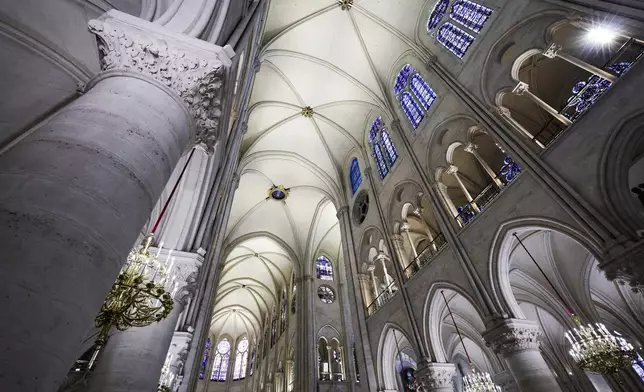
x: 594, y: 347
x: 142, y: 293
x: 477, y: 381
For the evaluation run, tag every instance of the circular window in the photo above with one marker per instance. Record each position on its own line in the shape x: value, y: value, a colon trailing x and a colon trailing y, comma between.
x: 361, y: 207
x: 326, y: 294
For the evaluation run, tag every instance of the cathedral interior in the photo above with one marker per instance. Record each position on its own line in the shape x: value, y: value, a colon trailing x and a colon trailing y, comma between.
x: 322, y: 195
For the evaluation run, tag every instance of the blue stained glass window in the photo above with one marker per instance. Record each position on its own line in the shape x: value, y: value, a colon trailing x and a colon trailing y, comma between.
x: 423, y: 92
x: 454, y: 39
x: 470, y: 14
x: 273, y: 328
x: 283, y: 312
x: 380, y: 160
x: 324, y: 268
x: 638, y: 366
x: 204, y: 360
x: 402, y: 78
x: 390, y: 149
x: 354, y: 175
x: 411, y: 109
x: 435, y: 17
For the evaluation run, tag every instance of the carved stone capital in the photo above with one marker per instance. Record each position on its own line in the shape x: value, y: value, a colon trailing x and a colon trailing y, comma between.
x: 342, y: 210
x: 452, y: 170
x: 436, y: 376
x: 184, y: 273
x: 627, y: 267
x: 397, y: 239
x: 395, y: 124
x: 471, y: 147
x: 512, y: 335
x: 193, y: 68
x: 521, y: 88
x: 502, y: 111
x: 179, y: 347
x: 552, y: 51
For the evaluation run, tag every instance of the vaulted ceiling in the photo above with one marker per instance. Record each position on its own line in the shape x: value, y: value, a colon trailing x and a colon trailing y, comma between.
x: 340, y: 62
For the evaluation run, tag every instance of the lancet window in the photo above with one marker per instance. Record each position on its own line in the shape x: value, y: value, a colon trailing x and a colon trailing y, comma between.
x: 354, y: 175
x: 468, y: 17
x: 204, y: 360
x: 241, y: 359
x: 220, y: 361
x: 283, y: 312
x: 381, y: 141
x: 414, y: 94
x: 324, y: 268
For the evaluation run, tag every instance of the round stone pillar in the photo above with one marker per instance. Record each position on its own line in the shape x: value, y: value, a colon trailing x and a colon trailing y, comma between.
x: 76, y: 192
x: 132, y: 359
x: 517, y: 342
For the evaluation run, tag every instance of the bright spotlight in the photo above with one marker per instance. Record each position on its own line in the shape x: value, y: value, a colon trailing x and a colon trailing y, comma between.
x: 601, y: 35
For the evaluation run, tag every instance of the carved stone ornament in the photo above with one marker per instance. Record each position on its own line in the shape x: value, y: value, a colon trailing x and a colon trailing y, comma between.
x: 627, y: 267
x: 184, y: 273
x: 435, y: 376
x: 513, y: 335
x: 552, y: 51
x: 194, y: 69
x: 521, y: 88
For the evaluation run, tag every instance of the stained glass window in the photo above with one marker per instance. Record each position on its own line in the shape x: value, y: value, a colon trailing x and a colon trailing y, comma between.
x: 326, y: 294
x: 454, y: 39
x: 204, y: 360
x: 220, y: 361
x: 638, y: 366
x: 252, y: 362
x: 379, y: 138
x: 324, y: 268
x: 435, y: 17
x: 411, y: 109
x: 402, y: 78
x: 273, y: 328
x: 241, y: 359
x: 469, y: 14
x: 354, y: 175
x: 390, y: 149
x: 283, y: 312
x: 423, y: 92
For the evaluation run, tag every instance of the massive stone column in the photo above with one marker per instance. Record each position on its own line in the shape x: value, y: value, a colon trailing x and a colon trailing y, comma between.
x: 436, y: 377
x: 76, y: 191
x: 132, y: 360
x: 517, y: 342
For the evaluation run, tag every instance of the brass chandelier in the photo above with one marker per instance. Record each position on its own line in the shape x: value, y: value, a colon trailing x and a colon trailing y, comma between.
x: 594, y: 347
x: 477, y: 381
x: 139, y: 297
x: 480, y: 382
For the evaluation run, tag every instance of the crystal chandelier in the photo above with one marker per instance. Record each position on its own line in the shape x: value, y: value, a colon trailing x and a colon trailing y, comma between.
x: 480, y: 382
x: 594, y: 347
x: 477, y: 381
